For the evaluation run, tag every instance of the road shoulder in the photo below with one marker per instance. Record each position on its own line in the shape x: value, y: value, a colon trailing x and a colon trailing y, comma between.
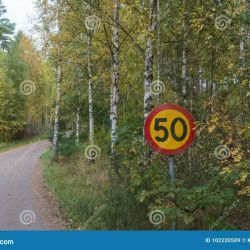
x: 46, y: 202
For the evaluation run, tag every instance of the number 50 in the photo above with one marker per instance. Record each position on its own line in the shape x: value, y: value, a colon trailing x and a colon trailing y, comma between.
x: 158, y: 127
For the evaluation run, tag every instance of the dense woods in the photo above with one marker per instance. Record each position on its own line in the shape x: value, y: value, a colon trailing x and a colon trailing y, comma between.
x: 92, y: 77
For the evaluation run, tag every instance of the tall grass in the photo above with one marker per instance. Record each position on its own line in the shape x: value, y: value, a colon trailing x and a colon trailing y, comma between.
x: 80, y: 189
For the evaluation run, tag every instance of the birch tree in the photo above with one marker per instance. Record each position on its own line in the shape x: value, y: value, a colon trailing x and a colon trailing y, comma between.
x: 115, y: 77
x: 184, y: 54
x: 158, y: 46
x: 77, y: 125
x: 149, y: 59
x: 90, y: 84
x: 59, y: 86
x: 242, y: 64
x: 58, y: 104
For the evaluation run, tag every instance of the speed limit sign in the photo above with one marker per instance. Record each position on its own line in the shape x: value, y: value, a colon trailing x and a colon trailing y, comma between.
x: 169, y: 129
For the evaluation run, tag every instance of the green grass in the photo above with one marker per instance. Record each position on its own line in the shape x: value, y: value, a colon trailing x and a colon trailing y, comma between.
x: 79, y: 188
x: 11, y: 145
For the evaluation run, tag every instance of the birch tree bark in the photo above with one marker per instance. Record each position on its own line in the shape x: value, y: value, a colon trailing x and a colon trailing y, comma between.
x: 242, y: 65
x: 242, y: 46
x: 115, y: 77
x: 158, y: 47
x: 149, y: 59
x: 184, y: 56
x: 91, y: 87
x: 59, y: 90
x: 58, y: 107
x: 211, y: 83
x: 77, y: 125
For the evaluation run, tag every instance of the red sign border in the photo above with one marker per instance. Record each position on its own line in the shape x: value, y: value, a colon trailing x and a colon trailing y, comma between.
x: 151, y: 142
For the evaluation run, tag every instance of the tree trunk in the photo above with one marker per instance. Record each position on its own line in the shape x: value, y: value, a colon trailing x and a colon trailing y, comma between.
x: 158, y: 47
x: 58, y: 107
x: 77, y: 125
x: 59, y: 92
x: 115, y: 78
x: 184, y: 57
x: 242, y: 65
x: 149, y: 60
x: 91, y: 87
x: 242, y: 46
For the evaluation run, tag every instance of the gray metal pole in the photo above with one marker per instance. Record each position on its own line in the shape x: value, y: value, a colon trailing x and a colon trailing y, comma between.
x: 171, y: 171
x: 172, y: 176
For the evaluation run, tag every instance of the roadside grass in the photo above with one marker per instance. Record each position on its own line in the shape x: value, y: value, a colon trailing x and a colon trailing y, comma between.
x: 79, y: 187
x: 11, y: 145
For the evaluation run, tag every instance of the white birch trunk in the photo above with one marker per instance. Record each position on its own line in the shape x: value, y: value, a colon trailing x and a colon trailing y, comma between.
x: 58, y: 107
x: 77, y: 125
x: 149, y: 60
x: 242, y: 46
x: 91, y: 87
x: 115, y: 77
x: 242, y: 65
x: 59, y: 93
x: 158, y: 47
x: 184, y: 56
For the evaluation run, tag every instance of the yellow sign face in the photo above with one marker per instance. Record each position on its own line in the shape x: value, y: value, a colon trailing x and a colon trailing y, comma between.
x: 169, y: 129
x: 163, y: 122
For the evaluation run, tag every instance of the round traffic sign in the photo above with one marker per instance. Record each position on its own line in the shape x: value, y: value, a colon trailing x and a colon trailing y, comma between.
x: 169, y: 129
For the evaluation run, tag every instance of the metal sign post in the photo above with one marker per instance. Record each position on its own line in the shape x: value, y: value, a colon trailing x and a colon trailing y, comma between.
x: 172, y: 176
x: 171, y: 171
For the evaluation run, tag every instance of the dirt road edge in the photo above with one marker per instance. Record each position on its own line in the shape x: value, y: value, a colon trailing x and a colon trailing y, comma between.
x: 46, y: 202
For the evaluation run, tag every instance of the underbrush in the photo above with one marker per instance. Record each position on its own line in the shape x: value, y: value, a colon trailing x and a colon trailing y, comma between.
x: 79, y: 187
x: 88, y: 199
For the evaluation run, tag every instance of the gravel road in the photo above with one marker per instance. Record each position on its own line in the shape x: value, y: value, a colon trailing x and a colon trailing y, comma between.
x: 23, y: 201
